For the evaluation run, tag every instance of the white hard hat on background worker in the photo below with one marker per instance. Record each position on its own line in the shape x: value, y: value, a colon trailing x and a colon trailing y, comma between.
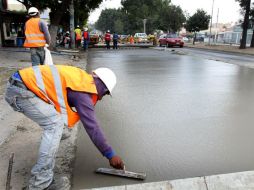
x: 107, y: 76
x: 32, y: 11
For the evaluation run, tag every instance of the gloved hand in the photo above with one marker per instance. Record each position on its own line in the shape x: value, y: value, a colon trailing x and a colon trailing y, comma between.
x: 116, y: 162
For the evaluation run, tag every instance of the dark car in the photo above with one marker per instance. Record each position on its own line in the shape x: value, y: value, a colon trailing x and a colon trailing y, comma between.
x: 170, y: 40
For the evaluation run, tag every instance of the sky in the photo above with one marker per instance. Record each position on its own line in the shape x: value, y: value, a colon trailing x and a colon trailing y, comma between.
x: 228, y: 9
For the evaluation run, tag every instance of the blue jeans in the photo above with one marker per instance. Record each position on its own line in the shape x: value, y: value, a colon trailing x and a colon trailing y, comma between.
x: 114, y: 44
x: 45, y: 115
x: 37, y: 56
x: 86, y: 42
x: 108, y: 44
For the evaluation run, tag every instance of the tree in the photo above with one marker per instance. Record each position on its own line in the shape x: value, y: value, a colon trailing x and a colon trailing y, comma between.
x: 60, y: 11
x: 137, y: 11
x: 198, y: 21
x: 159, y: 14
x: 111, y: 19
x: 171, y: 18
x: 252, y: 22
x: 245, y: 5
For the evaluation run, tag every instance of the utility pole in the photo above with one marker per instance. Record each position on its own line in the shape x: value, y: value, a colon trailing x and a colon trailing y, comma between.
x: 216, y: 36
x: 72, y: 24
x: 211, y: 24
x: 144, y: 22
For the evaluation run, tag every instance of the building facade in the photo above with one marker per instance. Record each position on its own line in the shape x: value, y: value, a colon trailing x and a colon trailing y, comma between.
x: 11, y: 24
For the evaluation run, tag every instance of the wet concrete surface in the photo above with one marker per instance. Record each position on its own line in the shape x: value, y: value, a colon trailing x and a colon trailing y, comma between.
x: 171, y: 116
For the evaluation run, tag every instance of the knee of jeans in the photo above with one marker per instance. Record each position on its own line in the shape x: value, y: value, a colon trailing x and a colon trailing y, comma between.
x: 12, y: 101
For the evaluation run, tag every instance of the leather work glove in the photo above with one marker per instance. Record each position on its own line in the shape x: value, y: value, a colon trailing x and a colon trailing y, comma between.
x: 116, y: 162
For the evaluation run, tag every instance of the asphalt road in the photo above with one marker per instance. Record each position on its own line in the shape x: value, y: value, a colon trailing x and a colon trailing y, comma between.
x: 173, y: 114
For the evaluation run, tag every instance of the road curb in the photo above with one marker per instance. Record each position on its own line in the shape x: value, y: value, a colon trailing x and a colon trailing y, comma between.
x: 216, y: 50
x: 232, y: 181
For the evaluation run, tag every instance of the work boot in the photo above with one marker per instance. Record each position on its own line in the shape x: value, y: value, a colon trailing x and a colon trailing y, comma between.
x: 51, y: 185
x: 61, y: 183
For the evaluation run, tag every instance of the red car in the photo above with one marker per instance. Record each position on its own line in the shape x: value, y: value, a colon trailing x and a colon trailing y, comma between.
x: 170, y: 40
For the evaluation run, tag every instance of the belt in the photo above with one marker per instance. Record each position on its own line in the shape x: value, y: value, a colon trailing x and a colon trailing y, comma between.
x: 17, y: 83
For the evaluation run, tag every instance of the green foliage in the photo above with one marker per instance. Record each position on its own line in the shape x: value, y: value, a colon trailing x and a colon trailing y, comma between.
x: 111, y: 19
x: 160, y: 14
x: 59, y: 8
x: 171, y: 18
x: 198, y: 21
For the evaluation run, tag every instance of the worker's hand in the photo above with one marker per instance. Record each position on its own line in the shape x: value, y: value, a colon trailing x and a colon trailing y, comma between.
x: 116, y: 162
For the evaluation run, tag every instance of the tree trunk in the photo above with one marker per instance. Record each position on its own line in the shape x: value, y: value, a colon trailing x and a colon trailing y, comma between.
x: 53, y: 33
x: 1, y: 30
x: 194, y: 39
x: 245, y: 25
x: 71, y: 9
x: 252, y: 40
x: 54, y: 23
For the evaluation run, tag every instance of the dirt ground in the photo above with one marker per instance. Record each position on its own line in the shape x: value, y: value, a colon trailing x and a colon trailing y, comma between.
x: 21, y: 136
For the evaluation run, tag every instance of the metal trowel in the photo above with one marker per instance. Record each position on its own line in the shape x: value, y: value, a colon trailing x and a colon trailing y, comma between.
x: 121, y: 173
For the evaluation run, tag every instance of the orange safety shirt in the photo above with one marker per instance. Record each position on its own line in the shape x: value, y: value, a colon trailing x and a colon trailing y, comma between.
x: 50, y: 83
x: 34, y: 36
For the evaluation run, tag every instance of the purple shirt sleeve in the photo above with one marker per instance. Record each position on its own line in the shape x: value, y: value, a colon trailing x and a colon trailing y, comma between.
x: 85, y: 108
x: 44, y: 29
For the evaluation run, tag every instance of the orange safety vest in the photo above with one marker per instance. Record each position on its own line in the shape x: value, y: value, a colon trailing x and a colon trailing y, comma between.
x: 34, y: 36
x: 50, y: 83
x: 78, y: 33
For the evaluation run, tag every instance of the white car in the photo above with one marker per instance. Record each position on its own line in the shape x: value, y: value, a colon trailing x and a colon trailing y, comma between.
x: 140, y: 38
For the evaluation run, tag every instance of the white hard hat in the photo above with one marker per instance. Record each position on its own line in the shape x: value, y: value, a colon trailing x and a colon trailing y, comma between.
x: 107, y: 76
x: 67, y: 32
x: 108, y: 31
x: 32, y: 11
x: 86, y: 29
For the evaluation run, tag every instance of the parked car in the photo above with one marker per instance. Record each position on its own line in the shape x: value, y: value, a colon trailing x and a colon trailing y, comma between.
x: 171, y: 40
x: 185, y: 39
x: 140, y: 38
x: 123, y: 38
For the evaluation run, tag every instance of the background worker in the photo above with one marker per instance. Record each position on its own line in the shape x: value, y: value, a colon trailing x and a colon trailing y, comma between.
x: 56, y: 95
x: 86, y: 38
x: 78, y: 34
x: 37, y: 35
x: 115, y: 40
x: 131, y: 40
x: 107, y: 39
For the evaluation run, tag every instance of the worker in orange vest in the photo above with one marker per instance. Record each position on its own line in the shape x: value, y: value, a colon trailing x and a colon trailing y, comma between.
x: 37, y: 36
x: 131, y: 40
x: 78, y: 35
x: 86, y: 38
x: 58, y: 95
x: 107, y: 39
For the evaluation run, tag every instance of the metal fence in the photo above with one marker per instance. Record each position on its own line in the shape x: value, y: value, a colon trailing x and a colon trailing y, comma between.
x: 232, y: 37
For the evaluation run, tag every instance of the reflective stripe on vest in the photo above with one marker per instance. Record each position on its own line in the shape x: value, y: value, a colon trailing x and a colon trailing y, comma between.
x: 58, y: 87
x: 32, y: 35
